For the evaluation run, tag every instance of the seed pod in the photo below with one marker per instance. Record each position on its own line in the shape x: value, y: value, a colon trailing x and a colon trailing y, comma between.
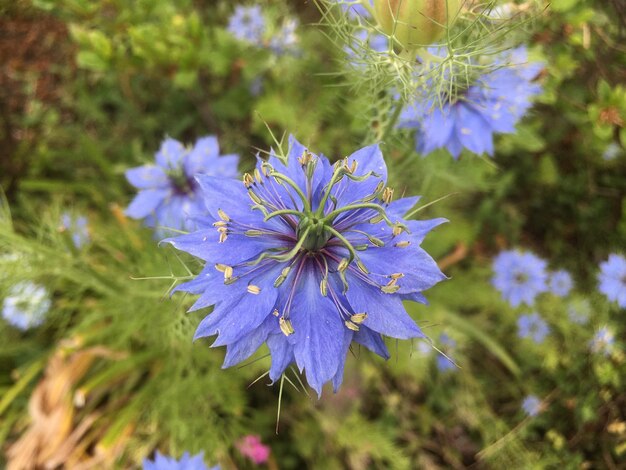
x: 416, y: 23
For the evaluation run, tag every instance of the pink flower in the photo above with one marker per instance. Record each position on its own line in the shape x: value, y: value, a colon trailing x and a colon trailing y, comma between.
x: 252, y: 447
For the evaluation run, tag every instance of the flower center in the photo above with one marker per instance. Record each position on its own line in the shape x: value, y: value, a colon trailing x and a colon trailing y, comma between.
x: 182, y: 184
x: 315, y: 231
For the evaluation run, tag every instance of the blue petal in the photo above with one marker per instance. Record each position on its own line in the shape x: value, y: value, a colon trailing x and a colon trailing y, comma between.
x: 368, y: 159
x: 372, y: 341
x: 317, y: 326
x: 148, y: 176
x: 245, y: 347
x: 170, y: 154
x: 420, y: 228
x: 239, y: 312
x: 473, y: 130
x: 398, y: 208
x: 229, y: 195
x: 282, y: 355
x: 347, y: 340
x: 385, y: 312
x: 146, y: 201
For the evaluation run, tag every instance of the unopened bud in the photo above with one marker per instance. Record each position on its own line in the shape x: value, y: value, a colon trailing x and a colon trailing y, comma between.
x: 416, y: 23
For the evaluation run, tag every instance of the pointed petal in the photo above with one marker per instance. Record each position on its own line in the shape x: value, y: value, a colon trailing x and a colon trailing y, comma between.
x: 146, y: 201
x: 148, y: 176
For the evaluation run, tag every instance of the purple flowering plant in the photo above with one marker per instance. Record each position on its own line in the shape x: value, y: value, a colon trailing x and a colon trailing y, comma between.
x: 519, y: 276
x: 308, y: 257
x: 470, y: 108
x: 168, y: 191
x: 186, y: 462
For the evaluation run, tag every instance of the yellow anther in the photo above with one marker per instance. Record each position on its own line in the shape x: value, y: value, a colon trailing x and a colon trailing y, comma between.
x: 306, y: 158
x: 397, y: 230
x: 223, y: 215
x: 343, y: 265
x: 324, y: 286
x: 224, y: 268
x: 387, y: 195
x: 285, y: 326
x: 248, y: 180
x: 223, y: 235
x: 395, y: 276
x: 403, y: 244
x: 351, y: 326
x: 362, y: 267
x: 253, y: 233
x: 379, y: 187
x: 358, y: 318
x: 275, y: 312
x: 252, y: 289
x: 257, y: 175
x: 220, y: 223
x: 264, y: 169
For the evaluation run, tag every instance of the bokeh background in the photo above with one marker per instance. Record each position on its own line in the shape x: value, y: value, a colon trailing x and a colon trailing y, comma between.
x: 89, y: 88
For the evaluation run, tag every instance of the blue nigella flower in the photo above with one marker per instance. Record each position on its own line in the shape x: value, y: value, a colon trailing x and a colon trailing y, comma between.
x: 447, y: 346
x: 612, y: 151
x: 579, y: 311
x: 603, y: 341
x: 168, y: 193
x: 561, y: 283
x: 355, y: 9
x: 286, y: 39
x: 531, y: 405
x: 26, y: 305
x: 532, y: 326
x: 519, y: 276
x: 77, y: 227
x: 248, y: 24
x: 468, y: 115
x: 308, y: 257
x: 612, y: 279
x: 186, y: 462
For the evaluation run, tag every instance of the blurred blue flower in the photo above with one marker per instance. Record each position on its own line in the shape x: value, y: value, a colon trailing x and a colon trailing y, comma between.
x: 519, y: 276
x: 355, y: 9
x: 467, y: 115
x: 532, y: 326
x: 612, y: 151
x: 247, y: 24
x: 286, y: 39
x: 579, y: 311
x: 447, y: 345
x: 26, y: 305
x: 282, y: 248
x: 186, y: 462
x: 168, y: 193
x: 603, y: 341
x: 531, y: 405
x: 560, y: 283
x: 77, y: 227
x: 612, y: 279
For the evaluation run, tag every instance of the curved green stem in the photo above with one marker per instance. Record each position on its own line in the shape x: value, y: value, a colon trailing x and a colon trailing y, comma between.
x: 290, y: 182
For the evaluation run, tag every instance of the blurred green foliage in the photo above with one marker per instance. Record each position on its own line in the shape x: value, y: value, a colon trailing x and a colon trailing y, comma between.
x: 122, y: 75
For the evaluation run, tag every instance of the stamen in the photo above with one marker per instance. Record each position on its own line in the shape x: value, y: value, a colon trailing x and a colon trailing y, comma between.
x: 254, y: 233
x: 387, y: 195
x: 256, y: 199
x: 223, y: 215
x: 306, y: 158
x: 403, y: 244
x: 351, y: 326
x: 224, y: 268
x: 324, y: 286
x: 275, y: 312
x: 396, y: 276
x: 343, y: 265
x: 257, y: 176
x: 358, y: 318
x: 285, y: 326
x: 397, y: 230
x: 362, y: 267
x: 391, y: 287
x: 252, y: 289
x: 248, y: 180
x: 220, y: 223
